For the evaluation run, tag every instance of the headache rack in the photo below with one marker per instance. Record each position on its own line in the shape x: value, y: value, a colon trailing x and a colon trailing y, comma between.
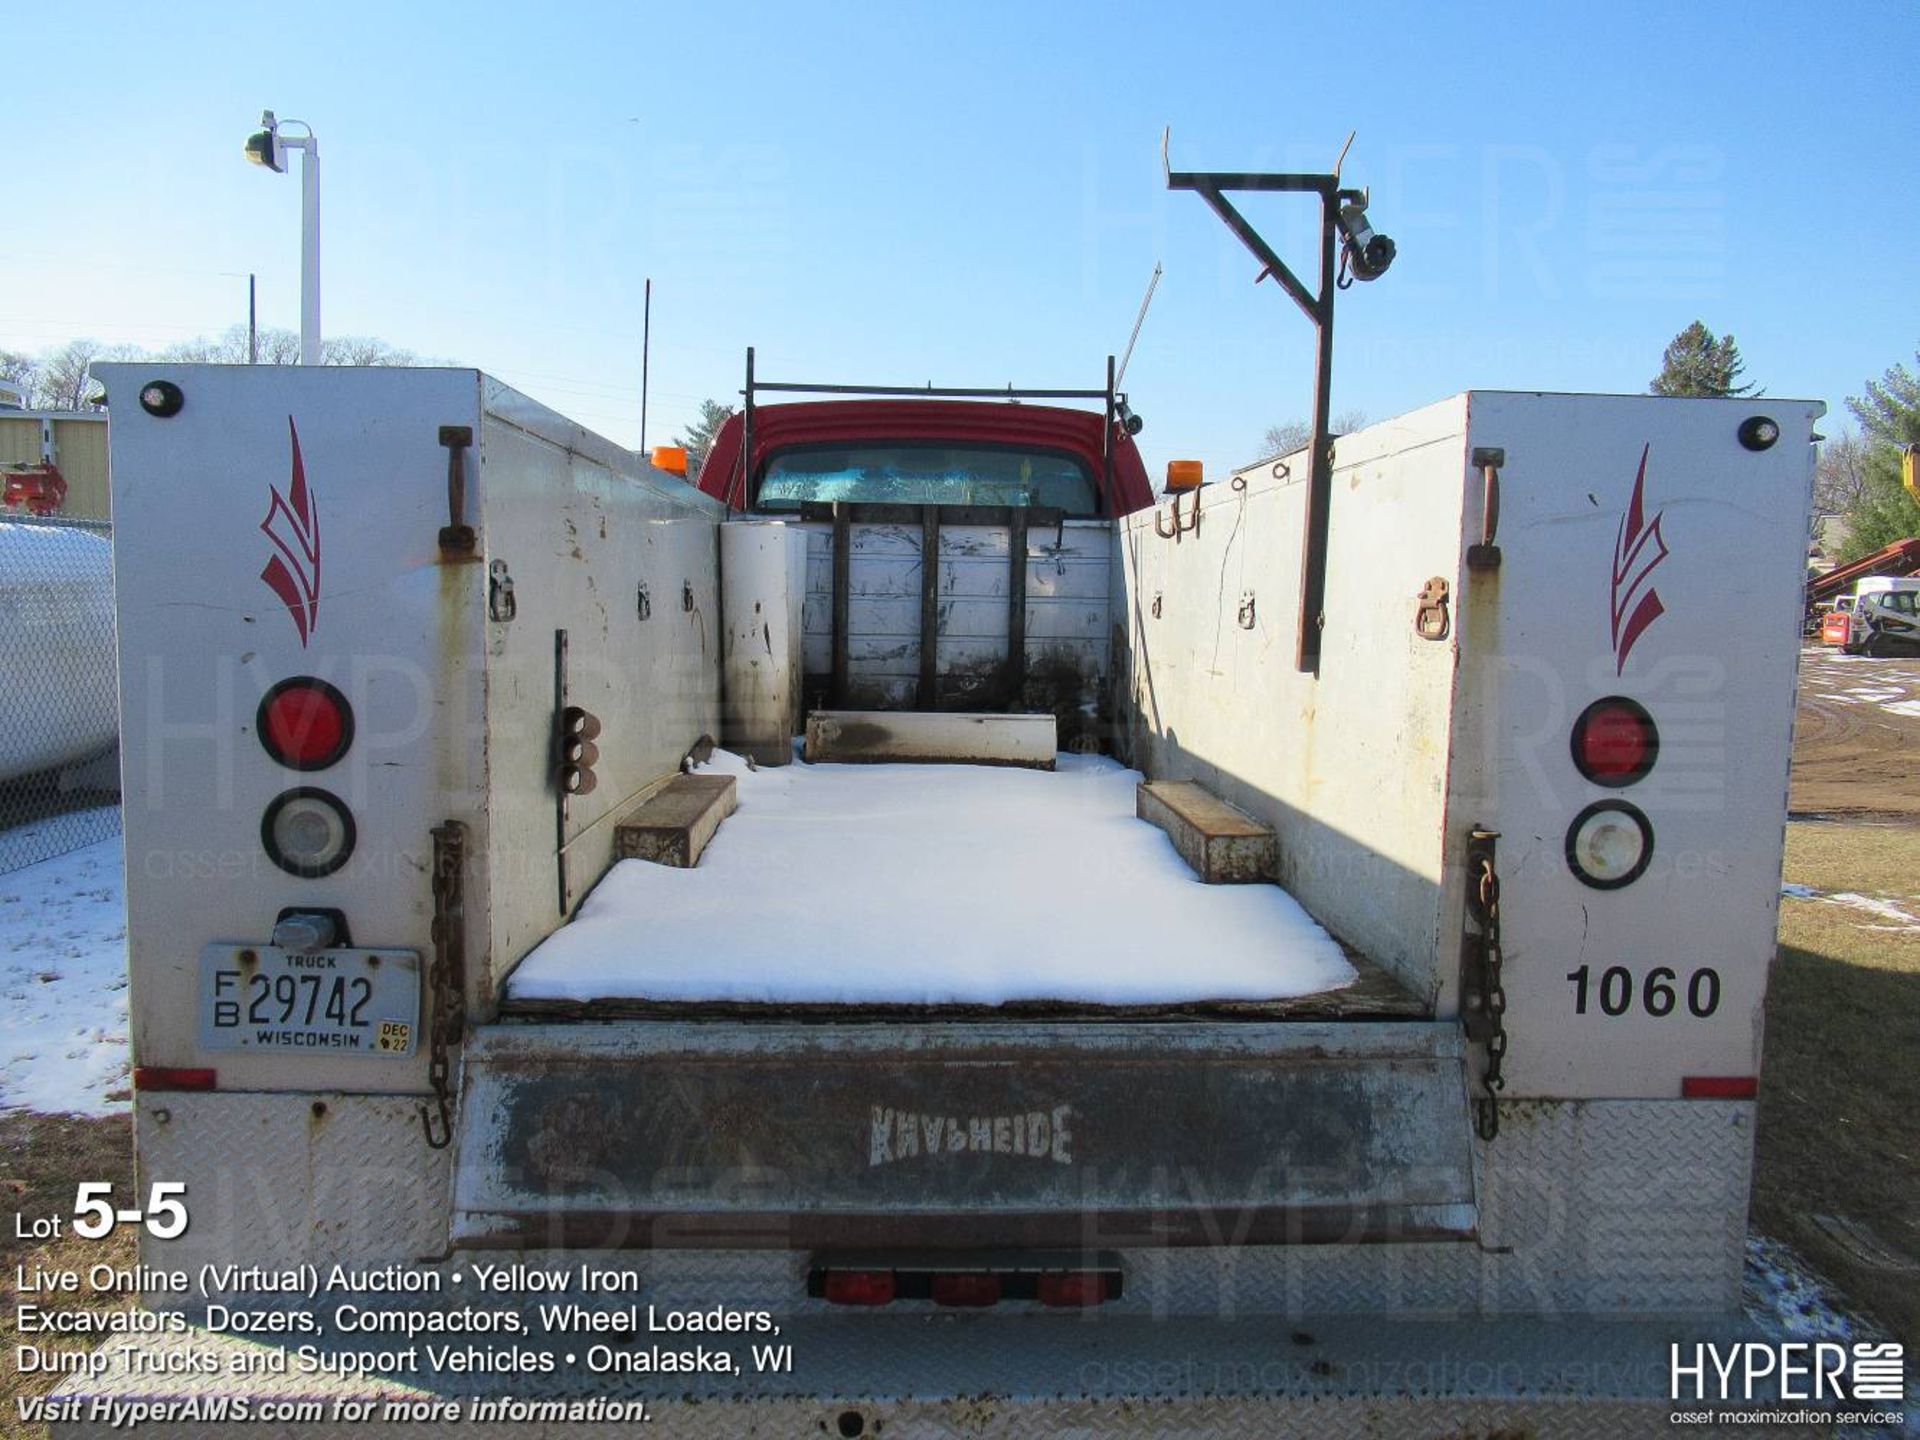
x: 1115, y: 402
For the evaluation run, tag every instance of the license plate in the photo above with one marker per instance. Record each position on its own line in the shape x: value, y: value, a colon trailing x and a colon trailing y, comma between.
x: 310, y: 1002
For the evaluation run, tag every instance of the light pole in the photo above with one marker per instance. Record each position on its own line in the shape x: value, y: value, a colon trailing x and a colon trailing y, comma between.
x: 268, y: 147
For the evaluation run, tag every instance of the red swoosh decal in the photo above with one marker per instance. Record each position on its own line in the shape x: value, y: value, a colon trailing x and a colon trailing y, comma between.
x: 1637, y: 552
x: 293, y: 525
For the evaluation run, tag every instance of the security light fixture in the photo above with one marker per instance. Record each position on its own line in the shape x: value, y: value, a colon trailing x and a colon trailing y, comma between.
x: 268, y: 147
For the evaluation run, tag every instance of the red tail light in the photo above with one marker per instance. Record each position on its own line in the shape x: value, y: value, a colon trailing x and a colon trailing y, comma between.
x: 859, y: 1287
x: 1077, y: 1290
x: 305, y: 724
x: 151, y: 1078
x: 1719, y: 1087
x: 1615, y: 741
x: 1001, y: 1278
x: 966, y: 1287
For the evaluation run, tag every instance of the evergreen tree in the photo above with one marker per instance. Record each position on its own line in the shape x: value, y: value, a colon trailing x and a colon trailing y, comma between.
x: 1697, y: 363
x: 1889, y: 416
x: 699, y: 436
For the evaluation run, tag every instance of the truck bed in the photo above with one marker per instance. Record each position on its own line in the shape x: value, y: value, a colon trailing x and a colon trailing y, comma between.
x: 940, y: 892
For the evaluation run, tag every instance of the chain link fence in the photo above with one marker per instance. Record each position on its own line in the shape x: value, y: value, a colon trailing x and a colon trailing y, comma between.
x: 59, y: 703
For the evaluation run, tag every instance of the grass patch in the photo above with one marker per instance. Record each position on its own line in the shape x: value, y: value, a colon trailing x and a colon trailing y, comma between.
x: 1869, y: 859
x: 1840, y: 1085
x: 43, y: 1159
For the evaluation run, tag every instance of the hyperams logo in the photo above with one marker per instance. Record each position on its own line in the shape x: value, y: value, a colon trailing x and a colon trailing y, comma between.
x: 1791, y: 1372
x: 1637, y: 552
x: 293, y: 525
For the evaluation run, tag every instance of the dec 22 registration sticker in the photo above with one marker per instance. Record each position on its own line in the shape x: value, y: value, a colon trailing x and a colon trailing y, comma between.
x: 344, y: 1000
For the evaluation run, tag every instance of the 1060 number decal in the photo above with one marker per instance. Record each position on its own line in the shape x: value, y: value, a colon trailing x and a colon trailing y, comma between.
x: 1659, y: 995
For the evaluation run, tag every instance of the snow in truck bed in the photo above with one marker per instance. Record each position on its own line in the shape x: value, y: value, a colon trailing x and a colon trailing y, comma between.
x: 929, y: 885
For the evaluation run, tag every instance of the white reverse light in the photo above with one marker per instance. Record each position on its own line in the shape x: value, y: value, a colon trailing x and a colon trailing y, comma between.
x: 308, y: 832
x: 1609, y: 845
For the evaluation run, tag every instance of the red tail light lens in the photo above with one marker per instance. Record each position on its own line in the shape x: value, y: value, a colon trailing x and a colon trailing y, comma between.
x: 305, y: 724
x: 966, y: 1288
x: 153, y: 1078
x: 1615, y: 741
x: 1719, y: 1087
x: 859, y: 1287
x: 1070, y: 1291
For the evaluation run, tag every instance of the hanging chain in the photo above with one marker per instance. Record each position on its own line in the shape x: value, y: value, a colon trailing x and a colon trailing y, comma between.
x: 446, y: 978
x: 1483, y: 1000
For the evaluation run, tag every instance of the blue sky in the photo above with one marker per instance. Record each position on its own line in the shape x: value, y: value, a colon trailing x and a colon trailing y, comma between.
x: 971, y: 193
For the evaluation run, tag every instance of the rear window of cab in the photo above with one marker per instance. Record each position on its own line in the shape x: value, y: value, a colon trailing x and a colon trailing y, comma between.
x: 927, y: 474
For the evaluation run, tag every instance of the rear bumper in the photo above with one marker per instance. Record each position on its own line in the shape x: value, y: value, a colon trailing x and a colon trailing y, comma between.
x: 988, y: 1375
x: 1583, y: 1208
x: 652, y: 1135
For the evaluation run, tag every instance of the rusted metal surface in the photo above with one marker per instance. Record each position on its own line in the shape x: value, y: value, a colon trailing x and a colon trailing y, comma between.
x: 1487, y: 460
x: 1224, y: 846
x: 646, y: 1134
x: 1432, y: 620
x: 858, y: 736
x: 676, y: 822
x: 457, y: 538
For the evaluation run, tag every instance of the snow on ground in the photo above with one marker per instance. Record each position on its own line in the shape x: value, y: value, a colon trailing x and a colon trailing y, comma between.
x: 1874, y: 905
x: 63, y: 983
x: 933, y: 884
x: 1904, y: 915
x: 1781, y: 1289
x: 1892, y: 685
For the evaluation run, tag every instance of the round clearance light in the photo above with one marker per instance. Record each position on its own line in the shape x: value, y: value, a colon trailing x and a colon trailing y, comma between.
x: 161, y: 398
x: 1609, y: 845
x: 305, y: 723
x: 1615, y: 741
x: 307, y: 832
x: 1759, y: 432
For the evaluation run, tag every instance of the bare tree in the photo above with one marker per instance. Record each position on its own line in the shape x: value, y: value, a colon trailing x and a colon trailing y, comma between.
x: 1295, y: 434
x: 363, y: 350
x: 282, y: 347
x: 63, y: 381
x: 1840, y: 478
x: 22, y: 370
x: 60, y: 379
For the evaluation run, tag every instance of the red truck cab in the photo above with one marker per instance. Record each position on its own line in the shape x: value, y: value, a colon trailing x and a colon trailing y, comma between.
x: 920, y: 452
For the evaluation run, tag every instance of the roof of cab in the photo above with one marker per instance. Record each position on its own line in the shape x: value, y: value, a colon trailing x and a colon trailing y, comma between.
x: 830, y: 422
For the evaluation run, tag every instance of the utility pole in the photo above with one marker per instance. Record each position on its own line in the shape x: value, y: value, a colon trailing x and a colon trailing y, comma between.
x: 646, y: 346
